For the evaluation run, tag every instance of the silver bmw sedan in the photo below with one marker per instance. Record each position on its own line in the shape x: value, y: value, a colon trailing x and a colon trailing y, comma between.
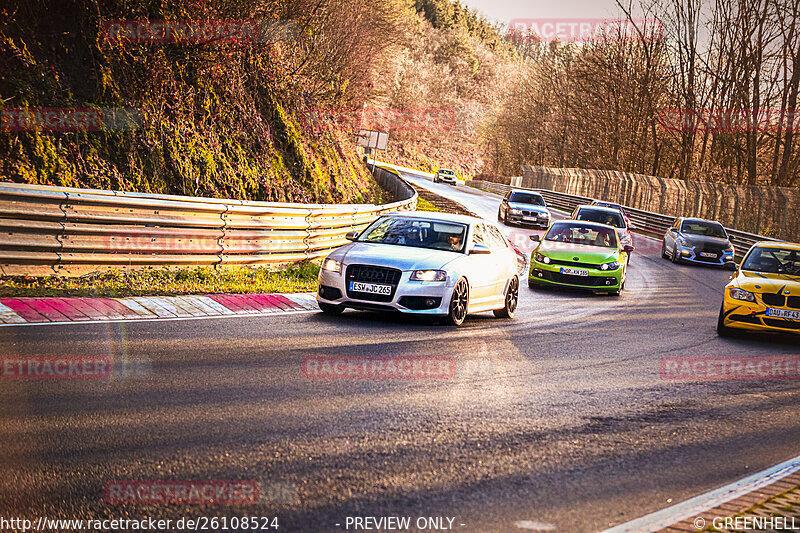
x: 434, y: 264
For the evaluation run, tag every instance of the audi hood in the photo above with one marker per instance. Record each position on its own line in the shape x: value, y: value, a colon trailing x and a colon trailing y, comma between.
x: 394, y: 256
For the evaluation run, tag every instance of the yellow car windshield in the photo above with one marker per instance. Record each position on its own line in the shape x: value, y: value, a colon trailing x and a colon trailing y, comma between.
x: 773, y: 261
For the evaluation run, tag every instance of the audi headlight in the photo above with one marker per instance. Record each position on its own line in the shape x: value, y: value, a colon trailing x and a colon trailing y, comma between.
x: 610, y: 266
x: 429, y: 275
x: 542, y: 258
x: 730, y: 249
x: 739, y: 294
x: 332, y: 265
x: 683, y: 242
x: 625, y: 238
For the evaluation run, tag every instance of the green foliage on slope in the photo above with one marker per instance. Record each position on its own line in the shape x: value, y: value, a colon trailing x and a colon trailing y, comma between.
x: 217, y: 119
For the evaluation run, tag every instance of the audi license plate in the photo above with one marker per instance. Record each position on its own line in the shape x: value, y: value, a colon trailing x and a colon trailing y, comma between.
x: 708, y: 254
x: 574, y: 271
x: 783, y: 313
x: 371, y: 288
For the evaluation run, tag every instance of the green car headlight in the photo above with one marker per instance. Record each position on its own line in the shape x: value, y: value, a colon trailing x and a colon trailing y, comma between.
x: 739, y: 294
x: 542, y: 258
x: 610, y: 266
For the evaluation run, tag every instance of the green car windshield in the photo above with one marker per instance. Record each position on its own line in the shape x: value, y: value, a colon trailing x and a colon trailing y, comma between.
x: 582, y: 235
x: 773, y: 261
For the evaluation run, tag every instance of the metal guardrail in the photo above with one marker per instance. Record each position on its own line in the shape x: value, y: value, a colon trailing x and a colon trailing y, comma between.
x: 644, y: 221
x: 71, y: 232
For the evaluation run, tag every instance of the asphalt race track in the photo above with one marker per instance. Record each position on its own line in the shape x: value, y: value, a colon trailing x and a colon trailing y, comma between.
x: 559, y: 417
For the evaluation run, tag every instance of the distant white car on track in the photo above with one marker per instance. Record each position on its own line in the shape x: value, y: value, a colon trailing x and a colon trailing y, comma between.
x: 434, y: 264
x: 445, y: 175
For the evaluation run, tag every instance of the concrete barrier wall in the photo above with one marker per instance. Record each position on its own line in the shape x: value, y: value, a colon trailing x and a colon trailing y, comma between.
x: 770, y: 211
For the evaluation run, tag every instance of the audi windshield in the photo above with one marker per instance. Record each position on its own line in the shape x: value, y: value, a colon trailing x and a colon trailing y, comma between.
x: 418, y: 233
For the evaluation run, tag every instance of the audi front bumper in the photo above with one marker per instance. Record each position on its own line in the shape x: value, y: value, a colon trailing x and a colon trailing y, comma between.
x: 413, y: 297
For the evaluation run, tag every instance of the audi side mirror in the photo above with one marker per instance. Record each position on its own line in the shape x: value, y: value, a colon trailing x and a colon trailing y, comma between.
x: 351, y: 236
x: 480, y: 249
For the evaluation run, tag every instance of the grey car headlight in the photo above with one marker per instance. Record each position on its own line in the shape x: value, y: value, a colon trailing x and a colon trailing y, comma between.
x: 332, y: 265
x: 516, y: 211
x: 429, y: 275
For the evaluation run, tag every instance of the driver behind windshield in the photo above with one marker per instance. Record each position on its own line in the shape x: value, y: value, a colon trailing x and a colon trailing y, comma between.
x: 455, y: 242
x: 702, y: 229
x: 773, y: 261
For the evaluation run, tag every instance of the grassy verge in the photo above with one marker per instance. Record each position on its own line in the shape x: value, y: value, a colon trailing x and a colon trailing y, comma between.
x: 425, y: 205
x: 163, y: 282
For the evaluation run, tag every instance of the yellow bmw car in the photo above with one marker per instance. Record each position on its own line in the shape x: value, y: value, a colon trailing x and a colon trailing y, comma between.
x: 764, y: 295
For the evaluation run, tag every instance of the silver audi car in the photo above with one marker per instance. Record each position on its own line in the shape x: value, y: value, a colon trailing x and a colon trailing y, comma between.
x: 433, y: 264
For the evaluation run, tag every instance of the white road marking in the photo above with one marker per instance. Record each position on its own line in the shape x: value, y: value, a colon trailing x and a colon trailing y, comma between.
x: 699, y: 504
x: 136, y: 307
x: 305, y: 300
x: 535, y: 526
x: 184, y: 304
x: 211, y: 306
x: 8, y: 316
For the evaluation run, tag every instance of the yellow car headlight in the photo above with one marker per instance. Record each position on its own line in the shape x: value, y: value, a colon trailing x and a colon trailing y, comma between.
x: 740, y: 294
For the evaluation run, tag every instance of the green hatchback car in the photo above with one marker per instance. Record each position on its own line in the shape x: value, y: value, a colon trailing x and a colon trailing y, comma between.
x: 581, y: 255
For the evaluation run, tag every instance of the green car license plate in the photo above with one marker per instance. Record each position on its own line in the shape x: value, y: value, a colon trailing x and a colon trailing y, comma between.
x: 574, y: 271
